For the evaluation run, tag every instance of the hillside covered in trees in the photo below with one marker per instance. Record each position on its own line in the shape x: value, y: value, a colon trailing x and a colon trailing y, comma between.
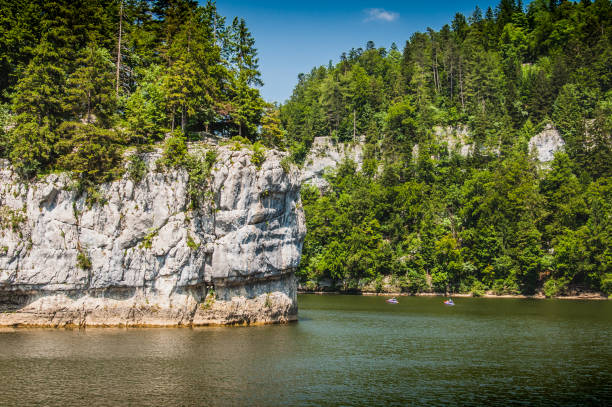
x: 492, y: 220
x: 82, y: 80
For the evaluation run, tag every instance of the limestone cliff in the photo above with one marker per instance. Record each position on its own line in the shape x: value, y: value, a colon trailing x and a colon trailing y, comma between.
x: 144, y: 257
x: 546, y: 143
x: 325, y: 155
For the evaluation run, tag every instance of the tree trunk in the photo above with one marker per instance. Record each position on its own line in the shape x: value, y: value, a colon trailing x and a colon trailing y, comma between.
x: 183, y: 119
x: 354, y: 125
x: 88, y: 107
x: 119, y: 50
x: 461, y: 84
x: 451, y: 79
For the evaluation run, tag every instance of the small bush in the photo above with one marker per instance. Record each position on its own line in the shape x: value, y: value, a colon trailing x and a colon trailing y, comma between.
x: 209, y: 300
x: 554, y: 287
x: 507, y: 286
x: 199, y: 173
x: 413, y: 282
x: 478, y: 289
x: 378, y: 284
x: 311, y: 285
x: 83, y: 260
x: 268, y: 303
x: 606, y: 284
x: 137, y: 168
x: 285, y: 164
x: 191, y: 243
x: 175, y: 151
x: 94, y: 196
x: 11, y: 218
x: 147, y: 241
x: 241, y: 140
x: 259, y: 155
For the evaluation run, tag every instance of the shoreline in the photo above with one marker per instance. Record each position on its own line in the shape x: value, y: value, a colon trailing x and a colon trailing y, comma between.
x: 539, y: 296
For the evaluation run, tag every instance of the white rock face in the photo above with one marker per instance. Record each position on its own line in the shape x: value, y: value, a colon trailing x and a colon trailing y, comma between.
x: 154, y: 260
x: 325, y: 155
x: 457, y: 139
x: 546, y: 143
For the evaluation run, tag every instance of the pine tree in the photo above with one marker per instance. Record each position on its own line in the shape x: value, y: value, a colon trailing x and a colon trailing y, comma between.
x: 246, y: 101
x: 90, y: 88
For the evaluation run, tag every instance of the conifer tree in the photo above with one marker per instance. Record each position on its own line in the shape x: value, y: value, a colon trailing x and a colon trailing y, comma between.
x: 246, y: 101
x: 90, y: 87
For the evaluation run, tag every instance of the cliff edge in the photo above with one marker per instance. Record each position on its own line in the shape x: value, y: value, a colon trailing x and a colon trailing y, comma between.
x: 143, y: 256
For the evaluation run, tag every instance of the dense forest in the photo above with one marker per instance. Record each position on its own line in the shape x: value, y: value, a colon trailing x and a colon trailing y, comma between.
x: 495, y: 219
x: 82, y: 80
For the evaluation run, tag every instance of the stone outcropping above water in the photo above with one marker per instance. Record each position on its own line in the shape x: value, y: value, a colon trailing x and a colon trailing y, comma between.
x: 143, y: 257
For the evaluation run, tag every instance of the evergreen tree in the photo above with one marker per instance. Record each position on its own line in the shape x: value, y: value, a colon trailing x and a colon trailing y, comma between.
x: 90, y: 87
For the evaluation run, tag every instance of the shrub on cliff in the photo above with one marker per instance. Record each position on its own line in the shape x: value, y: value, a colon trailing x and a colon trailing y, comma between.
x: 175, y: 151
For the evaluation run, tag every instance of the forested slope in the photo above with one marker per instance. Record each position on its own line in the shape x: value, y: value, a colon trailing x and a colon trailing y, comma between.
x: 496, y: 219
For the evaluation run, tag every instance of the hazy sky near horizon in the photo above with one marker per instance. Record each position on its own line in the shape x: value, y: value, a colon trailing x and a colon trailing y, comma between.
x: 293, y: 37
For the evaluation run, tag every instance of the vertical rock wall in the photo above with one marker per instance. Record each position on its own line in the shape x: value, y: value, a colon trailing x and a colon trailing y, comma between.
x: 153, y: 260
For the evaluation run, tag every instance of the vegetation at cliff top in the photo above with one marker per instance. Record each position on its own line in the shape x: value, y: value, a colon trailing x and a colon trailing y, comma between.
x: 494, y: 219
x: 81, y: 80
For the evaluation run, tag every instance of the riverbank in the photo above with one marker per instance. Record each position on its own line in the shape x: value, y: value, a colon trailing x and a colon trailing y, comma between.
x: 538, y: 296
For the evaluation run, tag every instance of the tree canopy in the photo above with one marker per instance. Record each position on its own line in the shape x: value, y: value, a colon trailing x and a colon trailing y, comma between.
x: 495, y: 218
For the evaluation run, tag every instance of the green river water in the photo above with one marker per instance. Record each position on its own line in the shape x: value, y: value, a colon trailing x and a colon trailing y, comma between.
x: 345, y: 350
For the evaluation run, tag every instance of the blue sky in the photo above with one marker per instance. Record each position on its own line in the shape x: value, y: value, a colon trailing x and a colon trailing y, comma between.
x: 293, y: 37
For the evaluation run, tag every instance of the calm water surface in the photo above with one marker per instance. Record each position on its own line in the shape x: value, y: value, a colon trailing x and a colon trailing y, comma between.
x: 345, y: 350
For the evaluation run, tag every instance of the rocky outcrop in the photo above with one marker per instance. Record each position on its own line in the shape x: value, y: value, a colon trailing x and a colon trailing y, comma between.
x: 546, y: 143
x: 457, y: 139
x: 144, y: 257
x: 325, y: 155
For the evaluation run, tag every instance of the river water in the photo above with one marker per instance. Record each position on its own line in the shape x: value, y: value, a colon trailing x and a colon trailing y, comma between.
x: 345, y: 350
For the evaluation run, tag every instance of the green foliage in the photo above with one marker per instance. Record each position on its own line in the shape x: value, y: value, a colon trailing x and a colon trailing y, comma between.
x: 12, y: 219
x: 199, y: 173
x: 209, y: 301
x: 5, y: 121
x: 174, y: 152
x: 272, y: 134
x: 285, y: 164
x: 137, y: 168
x: 147, y: 240
x: 478, y: 289
x: 414, y: 282
x: 145, y: 113
x: 606, y: 284
x: 192, y: 243
x: 83, y: 260
x: 31, y: 147
x: 90, y: 86
x: 92, y: 154
x: 553, y: 288
x: 169, y: 64
x: 401, y: 121
x: 268, y: 301
x: 259, y: 155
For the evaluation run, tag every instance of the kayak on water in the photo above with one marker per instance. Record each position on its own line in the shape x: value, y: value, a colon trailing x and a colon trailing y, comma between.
x: 449, y: 302
x: 392, y: 301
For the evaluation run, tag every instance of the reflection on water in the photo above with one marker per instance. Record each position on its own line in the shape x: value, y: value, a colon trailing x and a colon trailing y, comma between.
x: 345, y: 350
